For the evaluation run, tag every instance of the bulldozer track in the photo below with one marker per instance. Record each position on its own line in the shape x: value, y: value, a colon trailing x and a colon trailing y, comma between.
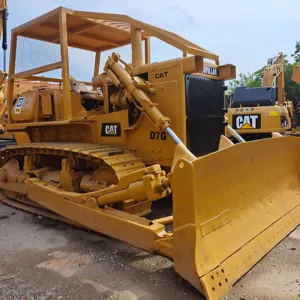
x: 7, y: 142
x: 39, y: 211
x: 122, y: 161
x: 34, y: 210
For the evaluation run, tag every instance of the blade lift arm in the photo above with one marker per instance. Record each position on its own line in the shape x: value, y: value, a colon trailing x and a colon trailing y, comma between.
x: 121, y: 78
x: 231, y: 131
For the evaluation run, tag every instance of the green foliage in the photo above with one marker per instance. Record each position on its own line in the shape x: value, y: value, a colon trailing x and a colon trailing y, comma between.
x: 254, y: 79
x: 296, y: 54
x: 292, y: 88
x: 249, y: 80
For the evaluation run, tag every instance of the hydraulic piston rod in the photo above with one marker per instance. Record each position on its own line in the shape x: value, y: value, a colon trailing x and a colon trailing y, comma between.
x: 159, y: 120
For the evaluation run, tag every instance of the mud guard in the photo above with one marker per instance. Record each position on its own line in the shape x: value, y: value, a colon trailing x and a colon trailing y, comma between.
x: 231, y: 208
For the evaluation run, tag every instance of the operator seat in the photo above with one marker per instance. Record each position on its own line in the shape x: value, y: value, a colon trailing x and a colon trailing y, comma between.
x: 89, y: 99
x: 80, y: 87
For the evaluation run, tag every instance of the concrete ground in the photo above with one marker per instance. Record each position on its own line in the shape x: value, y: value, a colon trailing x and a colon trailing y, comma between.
x: 45, y: 259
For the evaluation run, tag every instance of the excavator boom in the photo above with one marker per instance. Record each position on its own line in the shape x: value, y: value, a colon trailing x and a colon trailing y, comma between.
x: 273, y: 75
x: 296, y: 74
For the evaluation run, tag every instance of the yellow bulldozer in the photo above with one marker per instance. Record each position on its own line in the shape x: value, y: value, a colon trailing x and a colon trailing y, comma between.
x: 19, y: 85
x: 144, y: 131
x: 257, y: 113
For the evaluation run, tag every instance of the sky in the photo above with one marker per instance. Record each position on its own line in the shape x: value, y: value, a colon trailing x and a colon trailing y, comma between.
x: 242, y: 32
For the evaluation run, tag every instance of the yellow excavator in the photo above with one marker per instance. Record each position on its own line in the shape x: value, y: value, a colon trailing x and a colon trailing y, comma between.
x: 296, y: 74
x: 144, y: 131
x: 257, y: 113
x: 296, y: 78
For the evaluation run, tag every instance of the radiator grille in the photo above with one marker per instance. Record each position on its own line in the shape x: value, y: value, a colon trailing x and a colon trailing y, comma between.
x: 204, y: 110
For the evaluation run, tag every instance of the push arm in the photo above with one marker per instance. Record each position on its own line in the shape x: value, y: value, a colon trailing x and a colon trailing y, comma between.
x: 120, y: 76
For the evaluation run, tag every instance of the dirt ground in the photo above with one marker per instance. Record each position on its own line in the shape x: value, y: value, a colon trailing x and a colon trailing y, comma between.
x: 44, y: 259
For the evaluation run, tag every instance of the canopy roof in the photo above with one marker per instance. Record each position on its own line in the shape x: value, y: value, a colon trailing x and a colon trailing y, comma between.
x: 100, y: 31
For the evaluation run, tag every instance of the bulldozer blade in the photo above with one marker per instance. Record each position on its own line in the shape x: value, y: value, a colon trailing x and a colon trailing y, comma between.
x: 231, y: 208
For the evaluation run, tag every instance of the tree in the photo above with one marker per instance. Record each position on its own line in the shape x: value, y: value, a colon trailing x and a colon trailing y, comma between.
x: 292, y: 88
x: 296, y: 54
x: 248, y: 80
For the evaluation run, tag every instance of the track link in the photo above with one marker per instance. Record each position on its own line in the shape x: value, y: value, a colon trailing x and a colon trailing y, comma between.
x: 122, y: 161
x: 39, y: 211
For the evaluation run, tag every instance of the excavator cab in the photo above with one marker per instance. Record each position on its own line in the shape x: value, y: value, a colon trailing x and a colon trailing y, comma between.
x: 261, y: 112
x: 99, y: 157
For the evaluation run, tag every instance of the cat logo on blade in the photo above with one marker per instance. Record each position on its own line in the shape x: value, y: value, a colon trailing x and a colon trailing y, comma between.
x: 246, y: 121
x: 111, y: 129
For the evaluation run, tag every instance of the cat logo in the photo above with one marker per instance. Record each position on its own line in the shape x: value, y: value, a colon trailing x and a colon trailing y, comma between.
x: 111, y: 129
x: 246, y: 122
x: 161, y: 75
